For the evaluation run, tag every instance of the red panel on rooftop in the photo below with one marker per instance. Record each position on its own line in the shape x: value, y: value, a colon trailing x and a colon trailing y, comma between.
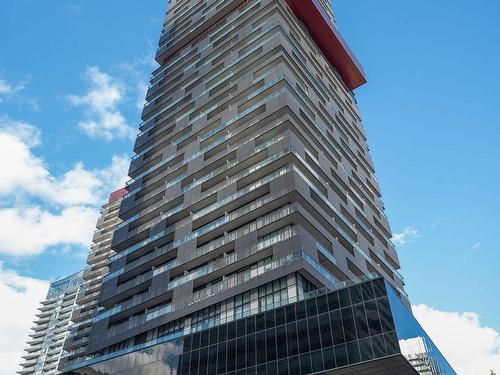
x: 330, y: 42
x: 117, y: 194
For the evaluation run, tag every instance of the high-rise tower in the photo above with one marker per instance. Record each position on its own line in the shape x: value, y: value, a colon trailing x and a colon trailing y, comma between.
x: 51, y: 327
x: 75, y: 346
x: 252, y: 199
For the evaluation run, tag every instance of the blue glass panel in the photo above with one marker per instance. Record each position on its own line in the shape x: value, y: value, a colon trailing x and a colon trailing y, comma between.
x: 414, y: 343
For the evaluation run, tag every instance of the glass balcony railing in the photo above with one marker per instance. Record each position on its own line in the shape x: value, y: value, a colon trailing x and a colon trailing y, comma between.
x: 249, y: 97
x: 214, y: 144
x: 279, y: 236
x: 201, y: 213
x: 328, y: 254
x: 159, y: 311
x: 244, y: 276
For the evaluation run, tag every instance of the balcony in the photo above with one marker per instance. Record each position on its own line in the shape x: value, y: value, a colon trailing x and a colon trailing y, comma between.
x: 167, y: 50
x: 26, y: 370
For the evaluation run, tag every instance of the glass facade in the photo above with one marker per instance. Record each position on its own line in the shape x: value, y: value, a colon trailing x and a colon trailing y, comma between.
x: 415, y: 344
x: 51, y: 327
x: 62, y: 286
x: 327, y: 330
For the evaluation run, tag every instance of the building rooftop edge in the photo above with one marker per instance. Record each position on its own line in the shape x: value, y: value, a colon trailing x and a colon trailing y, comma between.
x: 114, y: 196
x: 330, y: 42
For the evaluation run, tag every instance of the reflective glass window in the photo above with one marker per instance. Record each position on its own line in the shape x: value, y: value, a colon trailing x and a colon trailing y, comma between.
x: 322, y: 303
x: 281, y: 341
x: 250, y: 324
x: 270, y: 319
x: 241, y: 352
x: 212, y: 360
x: 251, y: 352
x: 280, y: 316
x: 333, y: 301
x: 385, y: 315
x: 328, y: 358
x: 378, y: 345
x: 195, y: 355
x: 300, y: 310
x: 379, y: 288
x: 290, y: 313
x: 368, y: 293
x: 356, y: 294
x: 303, y: 336
x: 261, y: 369
x: 341, y: 355
x: 260, y: 320
x: 291, y: 334
x: 231, y: 330
x: 213, y: 336
x: 221, y: 358
x: 365, y: 349
x: 305, y: 363
x: 271, y: 344
x: 325, y: 330
x: 260, y: 343
x: 337, y: 327
x: 240, y: 328
x: 344, y: 298
x: 373, y: 318
x: 231, y: 355
x: 187, y: 343
x: 204, y: 338
x: 222, y: 333
x: 203, y: 361
x: 317, y: 361
x: 186, y: 363
x: 348, y: 322
x: 311, y: 308
x: 195, y: 343
x: 283, y: 367
x: 272, y: 368
x: 314, y: 335
x: 294, y: 365
x: 353, y: 352
x: 391, y: 342
x: 360, y: 320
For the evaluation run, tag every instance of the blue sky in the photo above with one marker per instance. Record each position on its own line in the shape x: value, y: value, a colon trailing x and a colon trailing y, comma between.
x: 431, y: 111
x: 54, y: 45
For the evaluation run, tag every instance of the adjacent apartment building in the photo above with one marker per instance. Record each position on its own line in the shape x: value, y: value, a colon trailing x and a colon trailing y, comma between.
x: 253, y: 237
x: 88, y: 295
x: 50, y: 328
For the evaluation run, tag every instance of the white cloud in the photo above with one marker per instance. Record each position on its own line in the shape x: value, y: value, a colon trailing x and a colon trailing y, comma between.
x: 142, y: 90
x: 405, y: 237
x: 136, y: 72
x: 26, y: 132
x: 476, y: 246
x: 20, y: 297
x: 40, y: 210
x: 13, y: 92
x: 104, y: 119
x: 470, y: 347
x: 8, y: 89
x: 30, y: 230
x: 74, y: 8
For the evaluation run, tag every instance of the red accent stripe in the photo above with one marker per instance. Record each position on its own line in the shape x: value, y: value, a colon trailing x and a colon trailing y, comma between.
x: 329, y: 41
